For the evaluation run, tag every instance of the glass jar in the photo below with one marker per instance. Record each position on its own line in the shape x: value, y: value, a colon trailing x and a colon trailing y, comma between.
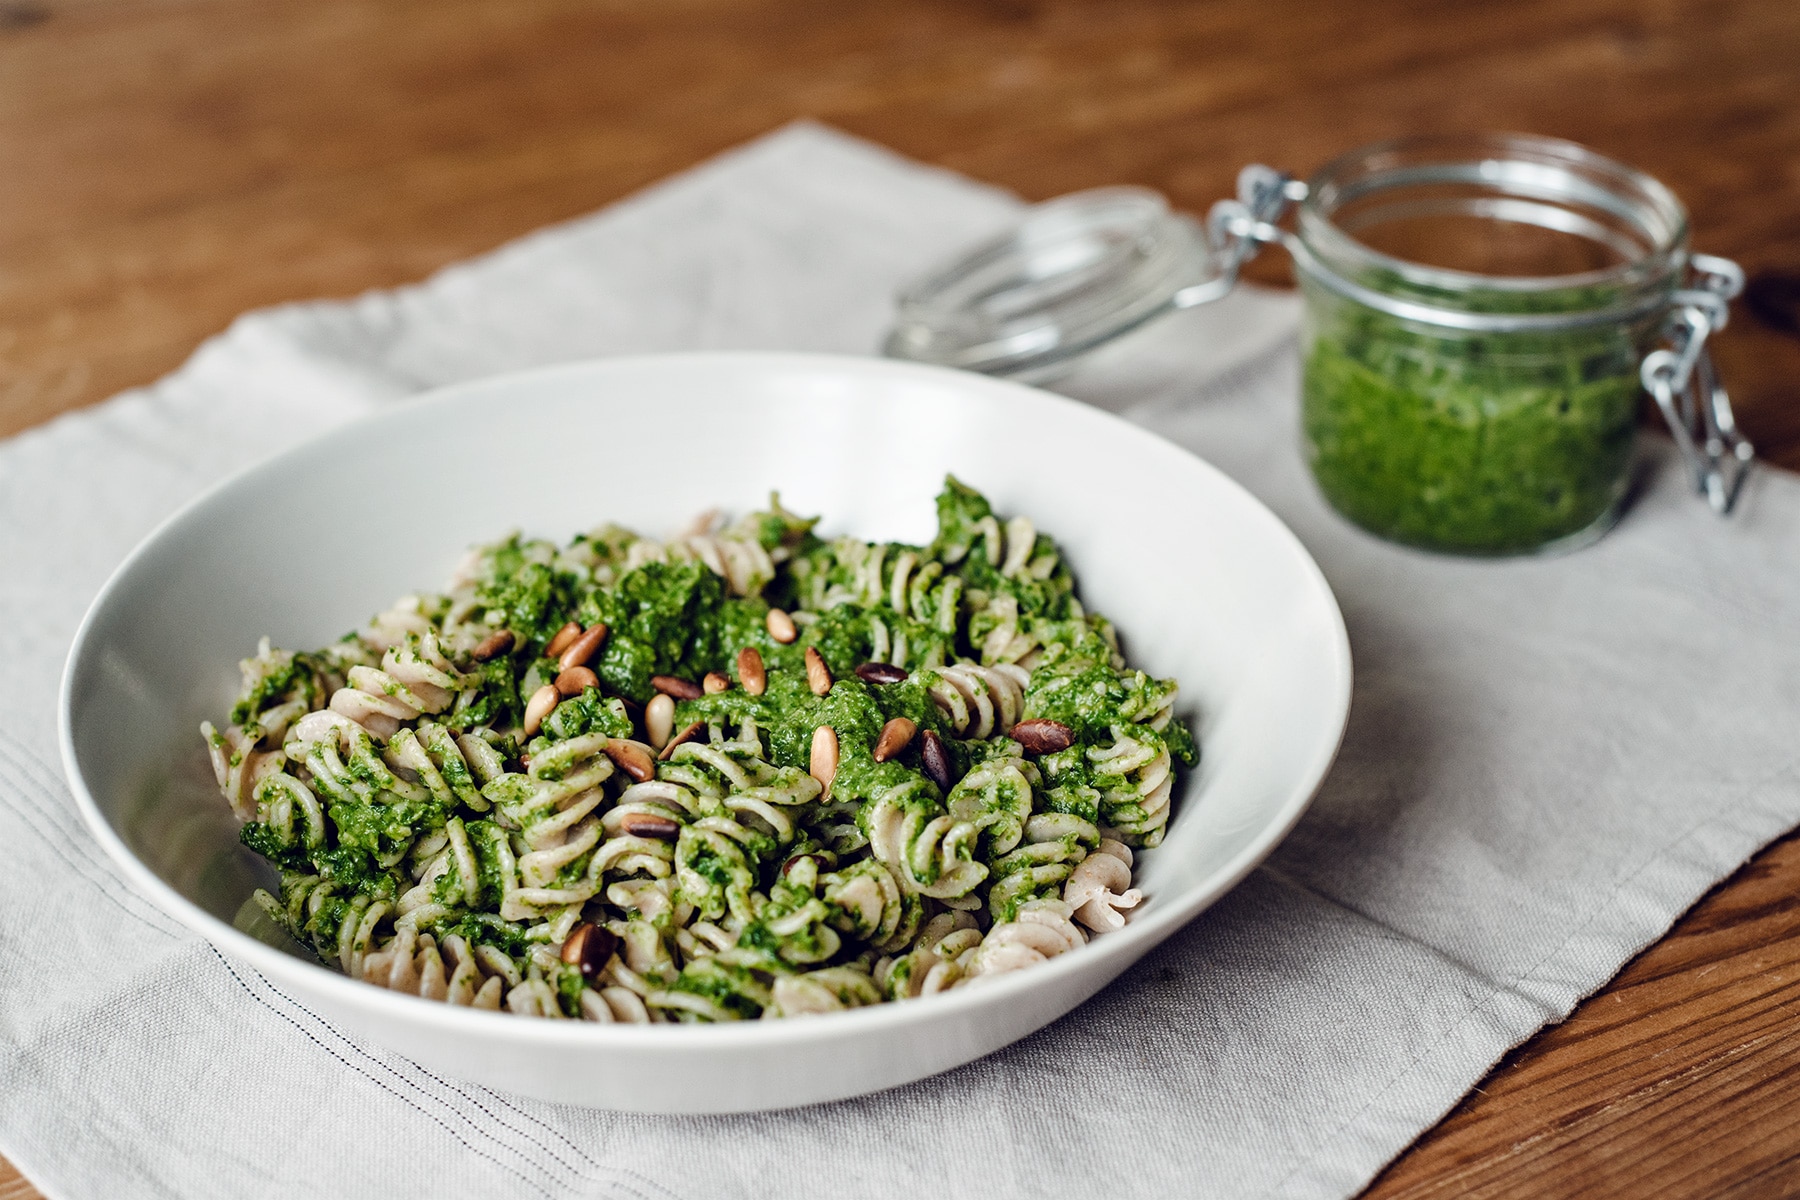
x: 1477, y: 313
x: 1482, y: 315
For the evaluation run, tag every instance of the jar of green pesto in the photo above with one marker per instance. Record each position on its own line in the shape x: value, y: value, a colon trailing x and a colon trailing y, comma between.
x: 1482, y: 317
x: 1478, y: 314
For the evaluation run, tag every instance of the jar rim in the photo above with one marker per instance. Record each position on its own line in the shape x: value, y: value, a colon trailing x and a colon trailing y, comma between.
x: 1531, y: 179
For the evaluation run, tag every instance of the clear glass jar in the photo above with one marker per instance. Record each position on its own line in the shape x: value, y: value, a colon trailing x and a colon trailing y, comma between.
x: 1482, y: 316
x: 1477, y: 313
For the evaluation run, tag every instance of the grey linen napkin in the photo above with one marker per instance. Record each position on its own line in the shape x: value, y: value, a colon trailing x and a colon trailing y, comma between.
x: 1547, y: 761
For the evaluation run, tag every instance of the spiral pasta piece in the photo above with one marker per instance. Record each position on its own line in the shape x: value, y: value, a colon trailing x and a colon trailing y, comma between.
x: 712, y: 989
x: 1099, y: 889
x: 453, y: 768
x: 613, y: 1005
x: 1012, y: 548
x: 1137, y: 803
x: 1053, y: 846
x: 322, y: 913
x: 278, y: 689
x: 742, y: 563
x: 978, y: 701
x: 909, y: 585
x: 550, y: 806
x: 240, y: 765
x: 405, y: 618
x: 929, y: 850
x: 868, y: 902
x: 416, y: 677
x: 344, y: 762
x: 415, y: 964
x: 934, y: 964
x: 281, y: 802
x: 997, y: 797
x: 718, y: 861
x: 1041, y: 931
x: 829, y: 989
x: 1006, y: 637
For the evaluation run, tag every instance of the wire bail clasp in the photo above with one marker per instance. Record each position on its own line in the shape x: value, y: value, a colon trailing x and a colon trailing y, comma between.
x: 1238, y: 229
x: 1686, y: 388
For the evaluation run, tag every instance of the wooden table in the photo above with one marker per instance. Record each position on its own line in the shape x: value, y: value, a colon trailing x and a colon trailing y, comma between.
x: 166, y: 164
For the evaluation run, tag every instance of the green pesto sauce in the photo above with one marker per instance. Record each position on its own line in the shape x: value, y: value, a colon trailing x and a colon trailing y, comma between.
x: 533, y: 596
x: 493, y: 702
x: 1480, y: 444
x: 788, y: 713
x: 678, y: 619
x: 298, y: 674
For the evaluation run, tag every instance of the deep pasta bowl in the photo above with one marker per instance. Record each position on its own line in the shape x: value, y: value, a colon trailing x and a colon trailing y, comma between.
x: 1203, y: 583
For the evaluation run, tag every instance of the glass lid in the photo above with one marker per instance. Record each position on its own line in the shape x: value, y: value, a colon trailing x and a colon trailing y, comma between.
x: 1075, y: 272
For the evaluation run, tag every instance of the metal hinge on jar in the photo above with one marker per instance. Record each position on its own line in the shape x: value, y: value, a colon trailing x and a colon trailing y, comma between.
x: 1681, y: 379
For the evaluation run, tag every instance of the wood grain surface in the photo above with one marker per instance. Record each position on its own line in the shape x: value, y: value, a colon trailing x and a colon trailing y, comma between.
x: 167, y: 164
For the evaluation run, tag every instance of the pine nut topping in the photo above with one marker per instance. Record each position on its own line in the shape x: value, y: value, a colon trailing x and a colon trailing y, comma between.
x: 590, y: 947
x: 781, y: 626
x: 631, y: 758
x: 659, y: 719
x: 1043, y: 736
x: 818, y: 675
x: 824, y: 763
x: 687, y: 735
x: 750, y: 671
x: 581, y: 651
x: 493, y: 645
x: 681, y: 689
x: 564, y: 636
x: 714, y: 683
x: 936, y: 759
x: 896, y: 735
x: 575, y: 680
x: 538, y: 707
x: 874, y: 672
x: 649, y: 825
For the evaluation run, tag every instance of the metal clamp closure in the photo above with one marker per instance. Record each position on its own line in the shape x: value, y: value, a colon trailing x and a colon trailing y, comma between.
x: 1239, y: 229
x: 1682, y: 381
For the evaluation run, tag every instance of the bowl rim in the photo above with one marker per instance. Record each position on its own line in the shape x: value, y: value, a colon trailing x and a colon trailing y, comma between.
x: 1146, y: 931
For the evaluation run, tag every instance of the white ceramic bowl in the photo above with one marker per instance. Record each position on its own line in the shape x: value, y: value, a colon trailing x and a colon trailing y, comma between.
x: 1203, y: 581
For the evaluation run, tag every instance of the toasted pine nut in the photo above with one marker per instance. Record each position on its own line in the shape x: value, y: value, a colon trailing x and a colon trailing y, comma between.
x: 575, y: 680
x: 1043, y: 736
x: 568, y: 633
x: 538, y: 707
x: 659, y: 719
x: 818, y: 675
x: 681, y: 689
x: 714, y: 683
x: 649, y: 825
x: 581, y: 651
x: 631, y: 758
x: 750, y: 671
x: 874, y: 672
x: 795, y: 861
x: 781, y: 626
x: 590, y: 948
x: 824, y: 764
x: 936, y: 759
x: 686, y: 735
x: 493, y: 645
x: 896, y: 735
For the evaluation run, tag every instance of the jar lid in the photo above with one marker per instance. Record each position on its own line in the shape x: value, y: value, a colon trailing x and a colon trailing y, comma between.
x: 1074, y: 273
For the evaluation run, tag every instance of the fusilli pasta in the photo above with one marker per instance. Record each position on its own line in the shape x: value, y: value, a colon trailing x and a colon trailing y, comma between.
x: 464, y: 800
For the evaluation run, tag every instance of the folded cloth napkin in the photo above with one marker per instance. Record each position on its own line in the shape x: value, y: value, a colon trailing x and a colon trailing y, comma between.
x: 1547, y: 761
